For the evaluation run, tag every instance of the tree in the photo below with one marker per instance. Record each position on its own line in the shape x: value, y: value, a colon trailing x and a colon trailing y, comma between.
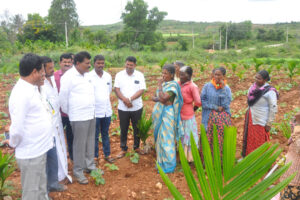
x: 182, y: 44
x: 5, y: 45
x: 236, y: 31
x: 62, y: 11
x: 271, y: 35
x: 17, y: 23
x: 140, y: 24
x: 36, y: 28
x: 11, y: 25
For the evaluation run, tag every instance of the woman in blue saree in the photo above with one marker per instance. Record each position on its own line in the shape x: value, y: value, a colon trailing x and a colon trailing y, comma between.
x: 166, y: 119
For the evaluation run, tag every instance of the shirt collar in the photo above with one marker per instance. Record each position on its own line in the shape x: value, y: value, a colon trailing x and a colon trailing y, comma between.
x: 27, y: 84
x: 95, y: 73
x: 186, y: 83
x: 132, y: 75
x: 76, y: 72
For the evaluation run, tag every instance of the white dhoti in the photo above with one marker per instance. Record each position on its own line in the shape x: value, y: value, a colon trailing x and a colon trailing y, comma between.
x: 49, y: 90
x: 61, y: 151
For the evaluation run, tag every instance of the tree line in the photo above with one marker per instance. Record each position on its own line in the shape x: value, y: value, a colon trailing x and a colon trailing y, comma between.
x: 139, y: 30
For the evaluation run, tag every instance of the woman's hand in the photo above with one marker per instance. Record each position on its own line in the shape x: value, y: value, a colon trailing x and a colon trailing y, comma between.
x: 267, y: 128
x: 160, y: 81
x: 155, y: 99
x: 222, y: 84
x: 220, y: 109
x: 195, y: 108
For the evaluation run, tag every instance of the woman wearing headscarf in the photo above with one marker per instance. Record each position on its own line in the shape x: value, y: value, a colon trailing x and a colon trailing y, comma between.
x: 166, y: 119
x: 262, y: 102
x: 216, y: 99
x: 191, y: 102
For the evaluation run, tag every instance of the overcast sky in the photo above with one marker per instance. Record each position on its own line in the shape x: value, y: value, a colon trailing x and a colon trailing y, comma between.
x: 95, y: 12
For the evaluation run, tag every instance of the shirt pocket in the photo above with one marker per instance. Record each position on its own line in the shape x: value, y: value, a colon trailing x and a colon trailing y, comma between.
x: 137, y: 84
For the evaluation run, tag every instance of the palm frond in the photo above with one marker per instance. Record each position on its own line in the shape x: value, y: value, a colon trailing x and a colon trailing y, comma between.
x: 228, y: 180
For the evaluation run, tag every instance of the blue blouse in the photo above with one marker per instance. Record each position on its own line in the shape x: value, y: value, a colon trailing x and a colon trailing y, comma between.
x: 212, y: 98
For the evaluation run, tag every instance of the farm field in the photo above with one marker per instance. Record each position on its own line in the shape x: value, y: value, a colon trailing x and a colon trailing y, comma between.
x: 139, y: 181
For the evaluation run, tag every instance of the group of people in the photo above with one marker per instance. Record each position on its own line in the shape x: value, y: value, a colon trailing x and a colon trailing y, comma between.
x: 177, y: 98
x: 43, y: 103
x: 76, y: 100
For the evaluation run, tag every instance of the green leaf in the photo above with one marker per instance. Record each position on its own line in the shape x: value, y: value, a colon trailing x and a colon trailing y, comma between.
x: 176, y: 194
x: 144, y: 125
x: 245, y: 179
x: 112, y: 167
x: 209, y: 165
x: 200, y: 171
x: 134, y: 157
x: 279, y: 187
x: 229, y: 148
x: 188, y: 174
x: 6, y: 167
x: 263, y: 185
x: 245, y: 182
x: 97, y: 176
x: 249, y: 159
x: 250, y: 169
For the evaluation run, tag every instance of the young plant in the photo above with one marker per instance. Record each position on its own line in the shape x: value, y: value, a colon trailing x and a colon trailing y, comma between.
x: 134, y: 157
x: 162, y: 62
x: 292, y: 67
x: 202, y: 68
x: 246, y: 66
x: 285, y: 128
x: 112, y: 167
x: 257, y: 64
x: 97, y: 176
x: 144, y: 97
x: 278, y: 67
x: 233, y: 67
x: 223, y: 178
x: 240, y: 74
x: 270, y: 69
x: 144, y: 126
x: 114, y: 117
x: 116, y: 131
x: 6, y: 169
x: 3, y: 114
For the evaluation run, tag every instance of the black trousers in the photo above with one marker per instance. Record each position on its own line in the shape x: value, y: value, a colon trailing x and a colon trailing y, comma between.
x: 125, y: 118
x: 69, y: 134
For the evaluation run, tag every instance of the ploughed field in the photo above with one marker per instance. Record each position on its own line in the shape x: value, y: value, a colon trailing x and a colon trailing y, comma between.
x: 141, y: 180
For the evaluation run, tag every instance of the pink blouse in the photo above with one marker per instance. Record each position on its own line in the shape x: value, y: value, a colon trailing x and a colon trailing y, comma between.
x: 191, y: 97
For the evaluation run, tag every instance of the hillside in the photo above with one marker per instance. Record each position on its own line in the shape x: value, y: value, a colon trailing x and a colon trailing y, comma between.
x: 173, y: 26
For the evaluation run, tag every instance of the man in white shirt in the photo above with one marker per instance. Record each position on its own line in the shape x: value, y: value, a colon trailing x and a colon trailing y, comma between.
x: 77, y: 100
x: 57, y: 164
x: 129, y: 87
x: 30, y: 130
x: 103, y: 86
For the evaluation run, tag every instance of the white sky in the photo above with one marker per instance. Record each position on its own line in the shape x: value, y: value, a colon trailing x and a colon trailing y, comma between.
x: 96, y: 12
